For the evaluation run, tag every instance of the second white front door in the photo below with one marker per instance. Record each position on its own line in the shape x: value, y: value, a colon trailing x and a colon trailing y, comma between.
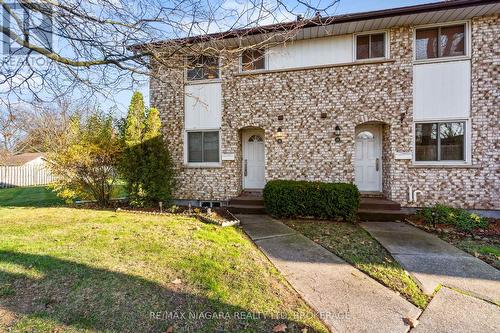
x: 253, y: 160
x: 368, y: 162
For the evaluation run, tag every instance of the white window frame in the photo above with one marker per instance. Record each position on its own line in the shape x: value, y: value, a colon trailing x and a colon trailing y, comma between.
x: 467, y: 46
x: 201, y: 81
x: 202, y: 164
x: 266, y: 61
x: 373, y: 32
x: 467, y: 143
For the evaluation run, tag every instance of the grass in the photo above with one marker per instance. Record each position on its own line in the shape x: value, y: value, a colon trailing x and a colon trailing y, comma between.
x: 37, y: 196
x: 41, y: 196
x: 356, y: 246
x: 76, y: 270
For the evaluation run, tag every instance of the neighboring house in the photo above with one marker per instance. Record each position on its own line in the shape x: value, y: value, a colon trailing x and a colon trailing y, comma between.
x: 23, y: 159
x: 390, y: 100
x: 27, y: 169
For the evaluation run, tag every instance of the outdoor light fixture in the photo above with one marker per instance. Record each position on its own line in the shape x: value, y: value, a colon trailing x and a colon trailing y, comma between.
x: 337, y: 133
x: 279, y: 135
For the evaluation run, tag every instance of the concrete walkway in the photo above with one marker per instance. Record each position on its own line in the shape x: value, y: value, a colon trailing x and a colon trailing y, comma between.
x: 451, y: 311
x: 346, y: 299
x: 433, y: 262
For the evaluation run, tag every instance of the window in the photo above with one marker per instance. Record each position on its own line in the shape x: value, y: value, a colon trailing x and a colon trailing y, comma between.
x: 203, y: 147
x: 252, y: 60
x: 203, y: 68
x: 365, y: 135
x: 370, y: 46
x: 437, y: 42
x: 440, y: 141
x: 255, y: 138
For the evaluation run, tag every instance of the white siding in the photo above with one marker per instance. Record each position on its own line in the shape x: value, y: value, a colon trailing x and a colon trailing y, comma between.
x: 441, y: 90
x: 203, y: 105
x: 311, y: 52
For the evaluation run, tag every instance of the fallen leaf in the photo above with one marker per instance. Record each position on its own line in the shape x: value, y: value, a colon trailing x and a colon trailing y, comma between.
x: 177, y: 281
x: 280, y: 328
x: 410, y: 322
x: 170, y: 329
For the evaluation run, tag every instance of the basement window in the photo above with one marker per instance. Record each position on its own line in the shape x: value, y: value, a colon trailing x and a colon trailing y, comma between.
x: 210, y: 204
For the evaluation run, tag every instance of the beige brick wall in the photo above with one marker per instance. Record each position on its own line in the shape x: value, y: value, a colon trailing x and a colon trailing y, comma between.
x: 350, y: 95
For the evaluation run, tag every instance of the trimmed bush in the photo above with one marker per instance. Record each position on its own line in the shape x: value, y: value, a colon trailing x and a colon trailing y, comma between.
x: 458, y: 217
x: 289, y: 198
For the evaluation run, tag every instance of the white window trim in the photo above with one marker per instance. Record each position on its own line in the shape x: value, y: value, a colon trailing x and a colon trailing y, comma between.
x: 468, y: 35
x: 467, y: 143
x: 373, y: 32
x: 202, y: 81
x: 266, y: 61
x: 202, y: 164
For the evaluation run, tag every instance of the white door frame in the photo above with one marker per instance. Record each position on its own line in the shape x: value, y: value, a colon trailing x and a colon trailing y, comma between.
x: 246, y: 134
x: 376, y: 130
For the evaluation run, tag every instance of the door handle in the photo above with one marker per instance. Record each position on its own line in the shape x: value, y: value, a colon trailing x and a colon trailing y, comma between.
x: 376, y: 164
x: 246, y: 167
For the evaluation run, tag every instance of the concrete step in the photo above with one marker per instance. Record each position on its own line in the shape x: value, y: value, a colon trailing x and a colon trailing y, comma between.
x: 372, y: 195
x: 382, y: 215
x: 247, y: 200
x: 252, y: 193
x: 246, y: 209
x: 378, y: 204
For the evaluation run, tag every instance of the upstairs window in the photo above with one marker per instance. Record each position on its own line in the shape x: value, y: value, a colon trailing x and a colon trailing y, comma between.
x: 370, y: 46
x: 439, y: 42
x: 202, y: 68
x: 252, y: 60
x: 440, y: 141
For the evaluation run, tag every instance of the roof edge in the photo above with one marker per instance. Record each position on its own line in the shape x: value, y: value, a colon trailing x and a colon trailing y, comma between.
x: 320, y: 21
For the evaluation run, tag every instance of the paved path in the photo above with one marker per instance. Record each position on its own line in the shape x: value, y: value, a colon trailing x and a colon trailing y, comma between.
x: 450, y: 311
x: 346, y: 299
x: 433, y: 262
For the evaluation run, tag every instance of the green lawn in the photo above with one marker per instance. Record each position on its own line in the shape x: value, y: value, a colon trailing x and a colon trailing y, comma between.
x: 76, y: 270
x: 353, y: 244
x: 41, y: 196
x: 37, y: 196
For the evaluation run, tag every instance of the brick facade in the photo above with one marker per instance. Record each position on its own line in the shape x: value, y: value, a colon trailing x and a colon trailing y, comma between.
x: 350, y: 95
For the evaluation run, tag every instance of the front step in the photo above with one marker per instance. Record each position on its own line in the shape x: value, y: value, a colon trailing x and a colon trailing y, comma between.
x: 246, y: 209
x: 249, y: 202
x: 251, y: 193
x: 382, y: 215
x: 372, y: 194
x: 375, y: 208
x: 378, y: 204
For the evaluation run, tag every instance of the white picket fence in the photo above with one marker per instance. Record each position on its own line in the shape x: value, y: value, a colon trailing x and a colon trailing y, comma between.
x: 24, y: 175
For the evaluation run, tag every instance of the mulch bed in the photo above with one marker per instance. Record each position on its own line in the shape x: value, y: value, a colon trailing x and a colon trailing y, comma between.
x: 492, y: 233
x: 489, y: 236
x: 217, y: 215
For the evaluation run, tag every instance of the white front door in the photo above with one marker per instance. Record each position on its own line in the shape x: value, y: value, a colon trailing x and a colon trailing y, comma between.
x: 368, y: 162
x: 253, y: 160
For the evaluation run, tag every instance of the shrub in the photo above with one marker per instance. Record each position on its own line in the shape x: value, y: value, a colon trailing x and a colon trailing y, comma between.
x: 146, y: 164
x: 458, y: 217
x: 85, y: 166
x: 288, y: 198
